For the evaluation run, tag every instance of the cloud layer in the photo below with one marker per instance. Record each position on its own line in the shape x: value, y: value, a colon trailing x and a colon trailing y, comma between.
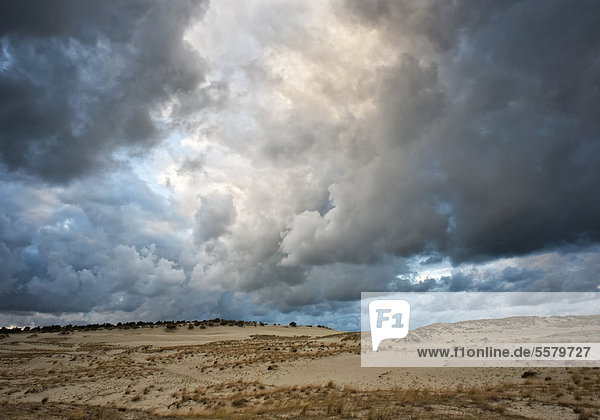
x: 81, y: 81
x: 274, y: 159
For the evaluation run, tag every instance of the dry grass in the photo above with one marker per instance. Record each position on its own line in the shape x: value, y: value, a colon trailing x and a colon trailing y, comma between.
x: 252, y: 399
x: 156, y: 379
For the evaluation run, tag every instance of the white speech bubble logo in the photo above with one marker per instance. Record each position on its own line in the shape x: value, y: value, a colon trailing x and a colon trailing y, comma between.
x: 388, y: 318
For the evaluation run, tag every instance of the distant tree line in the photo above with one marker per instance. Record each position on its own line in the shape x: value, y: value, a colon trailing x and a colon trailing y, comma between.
x: 169, y: 326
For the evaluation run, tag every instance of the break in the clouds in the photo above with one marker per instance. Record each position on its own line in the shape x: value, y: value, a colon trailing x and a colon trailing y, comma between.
x: 272, y: 159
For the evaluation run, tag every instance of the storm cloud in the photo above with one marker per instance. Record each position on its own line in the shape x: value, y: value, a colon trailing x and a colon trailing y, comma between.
x: 486, y: 147
x: 83, y: 80
x: 271, y: 159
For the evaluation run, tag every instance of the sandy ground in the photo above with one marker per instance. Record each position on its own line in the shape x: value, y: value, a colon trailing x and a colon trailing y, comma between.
x: 267, y: 372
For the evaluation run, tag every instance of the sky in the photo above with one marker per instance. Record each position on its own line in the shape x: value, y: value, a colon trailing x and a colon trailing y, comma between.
x: 271, y: 160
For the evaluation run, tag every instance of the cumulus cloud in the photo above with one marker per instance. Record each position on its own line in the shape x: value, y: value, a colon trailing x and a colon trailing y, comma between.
x: 80, y: 81
x: 215, y: 215
x: 481, y: 147
x: 444, y: 139
x: 565, y: 270
x: 121, y: 283
x: 272, y: 158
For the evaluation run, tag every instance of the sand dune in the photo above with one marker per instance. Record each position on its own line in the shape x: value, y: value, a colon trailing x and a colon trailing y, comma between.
x: 531, y: 330
x: 272, y: 372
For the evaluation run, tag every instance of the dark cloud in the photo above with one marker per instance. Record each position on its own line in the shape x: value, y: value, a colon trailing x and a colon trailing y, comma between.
x: 213, y: 218
x: 486, y: 146
x: 442, y: 24
x: 80, y: 81
x: 284, y: 157
x: 86, y: 21
x: 101, y: 244
x: 550, y: 272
